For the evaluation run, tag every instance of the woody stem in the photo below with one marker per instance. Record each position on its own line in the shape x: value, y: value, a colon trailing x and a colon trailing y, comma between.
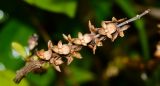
x: 30, y: 66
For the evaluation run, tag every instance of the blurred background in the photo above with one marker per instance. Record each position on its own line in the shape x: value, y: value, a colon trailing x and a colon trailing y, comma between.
x: 129, y: 61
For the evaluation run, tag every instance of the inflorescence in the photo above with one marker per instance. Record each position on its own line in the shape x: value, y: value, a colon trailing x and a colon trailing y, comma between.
x: 56, y: 53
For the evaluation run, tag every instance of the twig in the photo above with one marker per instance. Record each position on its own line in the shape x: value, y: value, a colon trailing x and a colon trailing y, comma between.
x: 29, y: 67
x: 134, y: 18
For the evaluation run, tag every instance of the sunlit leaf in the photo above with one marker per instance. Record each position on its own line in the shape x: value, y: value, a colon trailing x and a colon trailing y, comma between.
x: 66, y: 7
x: 13, y: 30
x: 19, y: 49
x: 6, y: 78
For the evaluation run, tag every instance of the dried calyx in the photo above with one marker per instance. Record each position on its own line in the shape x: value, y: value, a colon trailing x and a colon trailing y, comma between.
x: 55, y: 53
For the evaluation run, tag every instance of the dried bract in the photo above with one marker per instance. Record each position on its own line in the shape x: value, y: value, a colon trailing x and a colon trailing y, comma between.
x: 56, y: 61
x: 157, y: 53
x: 45, y: 55
x: 32, y: 42
x: 69, y: 59
x: 61, y: 48
x: 82, y: 39
x: 111, y: 30
x: 92, y: 29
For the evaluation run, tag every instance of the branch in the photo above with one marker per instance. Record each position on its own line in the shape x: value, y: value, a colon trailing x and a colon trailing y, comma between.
x: 134, y: 18
x: 29, y: 67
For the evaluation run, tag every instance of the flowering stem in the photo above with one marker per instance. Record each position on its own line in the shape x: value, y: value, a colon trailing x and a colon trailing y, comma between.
x: 134, y: 18
x: 55, y: 52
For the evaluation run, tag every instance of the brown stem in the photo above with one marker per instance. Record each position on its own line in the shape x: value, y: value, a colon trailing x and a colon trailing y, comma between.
x: 29, y: 67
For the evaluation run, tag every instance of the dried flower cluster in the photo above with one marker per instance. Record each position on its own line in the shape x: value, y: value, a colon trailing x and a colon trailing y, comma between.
x: 55, y: 53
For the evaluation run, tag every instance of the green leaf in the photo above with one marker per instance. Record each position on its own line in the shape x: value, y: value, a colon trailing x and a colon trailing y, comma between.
x: 19, y: 49
x: 13, y: 30
x: 6, y: 78
x: 102, y: 9
x: 131, y: 12
x: 68, y: 8
x: 79, y: 75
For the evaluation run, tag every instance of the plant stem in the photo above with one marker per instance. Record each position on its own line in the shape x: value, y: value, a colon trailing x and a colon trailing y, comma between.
x: 134, y: 18
x: 30, y: 66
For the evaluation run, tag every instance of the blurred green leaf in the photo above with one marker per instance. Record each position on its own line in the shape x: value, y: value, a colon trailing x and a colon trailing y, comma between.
x: 68, y: 8
x: 42, y: 79
x: 129, y: 9
x: 13, y: 30
x: 19, y: 49
x: 79, y: 75
x: 155, y: 78
x: 6, y: 78
x: 102, y: 8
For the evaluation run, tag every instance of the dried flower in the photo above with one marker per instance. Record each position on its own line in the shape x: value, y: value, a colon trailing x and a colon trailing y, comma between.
x: 68, y: 38
x: 32, y: 42
x: 50, y: 45
x: 92, y: 29
x: 83, y: 39
x: 46, y: 55
x: 77, y: 55
x: 56, y: 67
x: 110, y: 29
x: 61, y: 48
x: 157, y: 53
x: 74, y: 53
x: 69, y: 59
x: 57, y: 61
